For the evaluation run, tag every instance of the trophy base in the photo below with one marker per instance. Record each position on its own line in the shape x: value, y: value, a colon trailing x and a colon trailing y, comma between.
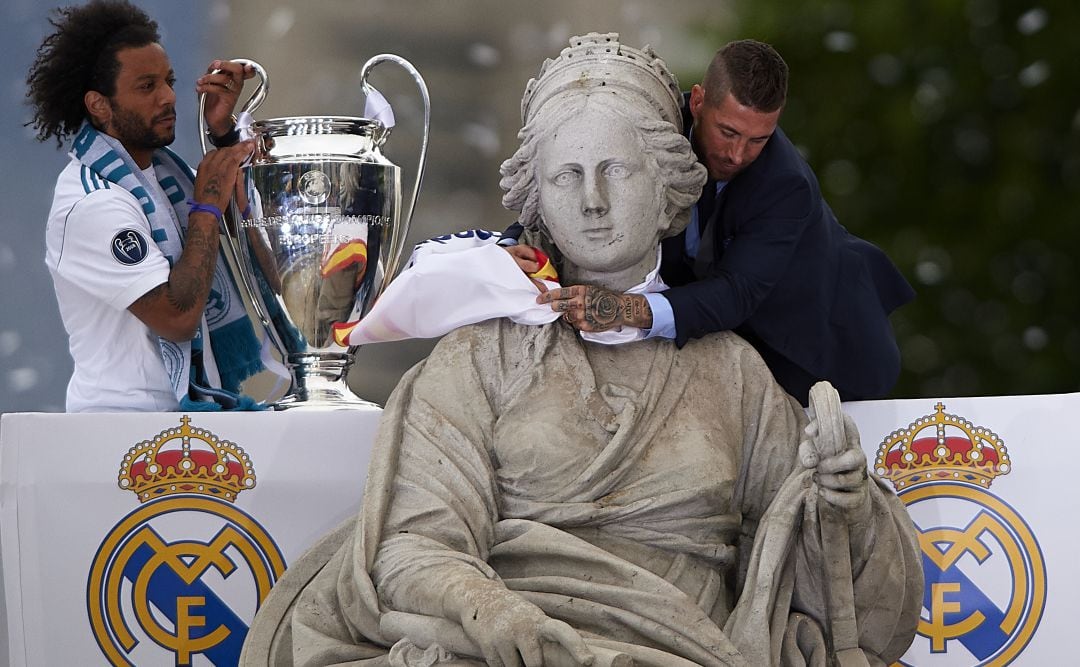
x: 320, y: 385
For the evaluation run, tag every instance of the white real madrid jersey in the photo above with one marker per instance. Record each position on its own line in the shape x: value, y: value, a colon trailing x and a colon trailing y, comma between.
x: 102, y: 257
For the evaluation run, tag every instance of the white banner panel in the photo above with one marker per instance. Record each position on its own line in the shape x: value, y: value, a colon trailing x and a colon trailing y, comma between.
x: 151, y: 539
x: 990, y: 485
x: 93, y: 575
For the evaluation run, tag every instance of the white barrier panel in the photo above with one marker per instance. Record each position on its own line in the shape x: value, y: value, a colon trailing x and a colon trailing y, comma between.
x: 94, y: 576
x: 991, y: 487
x: 151, y: 539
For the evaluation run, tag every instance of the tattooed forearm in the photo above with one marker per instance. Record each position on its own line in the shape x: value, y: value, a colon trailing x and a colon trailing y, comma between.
x: 189, y: 281
x: 636, y: 311
x: 154, y: 294
x: 175, y: 311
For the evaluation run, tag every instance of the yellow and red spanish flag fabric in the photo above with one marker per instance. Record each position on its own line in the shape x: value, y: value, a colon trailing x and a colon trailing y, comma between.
x: 345, y: 255
x: 547, y: 269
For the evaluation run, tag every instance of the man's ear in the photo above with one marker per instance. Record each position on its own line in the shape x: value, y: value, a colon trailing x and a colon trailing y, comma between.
x: 697, y: 100
x: 97, y: 105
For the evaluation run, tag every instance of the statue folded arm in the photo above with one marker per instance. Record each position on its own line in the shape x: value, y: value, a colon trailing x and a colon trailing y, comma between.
x: 886, y: 572
x: 885, y: 557
x: 439, y: 526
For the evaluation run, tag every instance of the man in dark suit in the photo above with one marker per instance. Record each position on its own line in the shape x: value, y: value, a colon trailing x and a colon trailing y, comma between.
x: 764, y: 255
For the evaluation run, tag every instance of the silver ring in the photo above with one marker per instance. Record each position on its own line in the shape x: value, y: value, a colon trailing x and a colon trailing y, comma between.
x: 229, y: 85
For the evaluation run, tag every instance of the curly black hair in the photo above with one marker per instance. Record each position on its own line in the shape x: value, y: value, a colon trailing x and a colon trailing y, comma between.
x: 80, y: 56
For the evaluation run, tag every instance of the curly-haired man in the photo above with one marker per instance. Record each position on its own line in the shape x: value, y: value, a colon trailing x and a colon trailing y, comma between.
x: 132, y: 237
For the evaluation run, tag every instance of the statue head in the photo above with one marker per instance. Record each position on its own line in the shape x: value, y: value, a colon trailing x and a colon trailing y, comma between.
x: 603, y: 171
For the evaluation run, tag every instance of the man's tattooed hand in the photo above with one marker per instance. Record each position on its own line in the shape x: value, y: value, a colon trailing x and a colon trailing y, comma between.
x: 591, y: 308
x: 602, y: 308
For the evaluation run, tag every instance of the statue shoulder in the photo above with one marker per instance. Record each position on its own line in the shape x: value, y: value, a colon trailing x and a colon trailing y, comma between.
x: 487, y: 337
x: 724, y: 356
x: 496, y: 345
x: 496, y: 358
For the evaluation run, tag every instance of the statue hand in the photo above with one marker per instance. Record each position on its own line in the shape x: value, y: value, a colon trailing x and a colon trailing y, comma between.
x: 509, y: 630
x: 592, y: 308
x: 842, y: 479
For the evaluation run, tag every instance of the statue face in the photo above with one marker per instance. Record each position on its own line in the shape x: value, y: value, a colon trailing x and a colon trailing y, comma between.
x: 600, y: 195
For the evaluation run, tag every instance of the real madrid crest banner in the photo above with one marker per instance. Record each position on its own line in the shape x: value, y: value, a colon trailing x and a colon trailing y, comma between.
x: 152, y: 539
x: 984, y: 482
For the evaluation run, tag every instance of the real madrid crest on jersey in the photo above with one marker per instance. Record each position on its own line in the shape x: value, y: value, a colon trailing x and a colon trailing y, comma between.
x: 173, y: 579
x: 986, y: 578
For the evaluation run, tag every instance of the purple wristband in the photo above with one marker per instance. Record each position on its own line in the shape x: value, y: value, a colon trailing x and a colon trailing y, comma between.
x: 197, y: 207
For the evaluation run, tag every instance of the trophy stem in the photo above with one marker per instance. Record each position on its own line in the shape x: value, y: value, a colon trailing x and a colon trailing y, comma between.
x: 321, y: 384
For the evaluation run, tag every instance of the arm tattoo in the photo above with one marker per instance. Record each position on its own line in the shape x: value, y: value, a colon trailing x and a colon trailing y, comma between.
x: 190, y: 282
x: 636, y: 311
x: 152, y: 295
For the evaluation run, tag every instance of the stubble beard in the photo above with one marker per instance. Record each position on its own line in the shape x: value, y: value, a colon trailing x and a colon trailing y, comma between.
x: 134, y: 133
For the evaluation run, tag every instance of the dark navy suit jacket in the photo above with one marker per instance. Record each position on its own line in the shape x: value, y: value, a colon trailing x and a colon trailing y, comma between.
x: 776, y: 267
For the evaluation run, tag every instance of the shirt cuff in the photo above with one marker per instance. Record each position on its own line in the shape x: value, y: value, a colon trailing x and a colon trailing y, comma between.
x: 663, y: 319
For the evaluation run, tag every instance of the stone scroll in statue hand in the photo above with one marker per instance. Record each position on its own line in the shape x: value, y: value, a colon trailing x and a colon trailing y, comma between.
x: 538, y: 499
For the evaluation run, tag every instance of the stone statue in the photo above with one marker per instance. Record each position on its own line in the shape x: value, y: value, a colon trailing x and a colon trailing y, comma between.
x: 534, y: 498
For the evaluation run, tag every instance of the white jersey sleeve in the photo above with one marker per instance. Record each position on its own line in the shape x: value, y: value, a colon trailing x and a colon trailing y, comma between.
x: 108, y: 249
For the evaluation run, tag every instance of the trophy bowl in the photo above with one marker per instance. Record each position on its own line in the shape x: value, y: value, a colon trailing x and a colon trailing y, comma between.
x: 320, y: 237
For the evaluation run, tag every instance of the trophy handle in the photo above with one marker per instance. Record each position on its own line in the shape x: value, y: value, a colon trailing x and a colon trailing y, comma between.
x: 249, y: 106
x: 399, y: 242
x: 232, y: 242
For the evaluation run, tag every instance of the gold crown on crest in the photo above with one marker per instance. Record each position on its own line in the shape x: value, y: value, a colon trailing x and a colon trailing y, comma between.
x: 939, y: 448
x: 186, y: 460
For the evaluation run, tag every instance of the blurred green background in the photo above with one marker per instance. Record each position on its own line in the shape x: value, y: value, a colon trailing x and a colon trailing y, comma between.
x: 948, y: 132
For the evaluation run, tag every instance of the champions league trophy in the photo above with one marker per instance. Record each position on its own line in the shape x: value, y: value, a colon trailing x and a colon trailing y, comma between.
x: 323, y: 235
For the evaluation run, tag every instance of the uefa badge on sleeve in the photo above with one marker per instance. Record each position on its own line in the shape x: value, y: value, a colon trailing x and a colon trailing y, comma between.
x: 985, y: 575
x: 129, y: 247
x: 180, y: 573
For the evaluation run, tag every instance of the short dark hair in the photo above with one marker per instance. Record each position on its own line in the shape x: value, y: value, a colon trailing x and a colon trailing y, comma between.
x: 753, y: 72
x: 81, y: 56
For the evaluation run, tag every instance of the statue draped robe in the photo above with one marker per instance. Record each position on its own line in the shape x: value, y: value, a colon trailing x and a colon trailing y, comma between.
x: 665, y: 517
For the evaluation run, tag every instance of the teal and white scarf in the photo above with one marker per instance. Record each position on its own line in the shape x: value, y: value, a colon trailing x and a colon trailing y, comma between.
x: 202, y: 379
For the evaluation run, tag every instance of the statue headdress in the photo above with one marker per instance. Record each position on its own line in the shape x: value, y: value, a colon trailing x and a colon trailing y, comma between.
x: 597, y: 61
